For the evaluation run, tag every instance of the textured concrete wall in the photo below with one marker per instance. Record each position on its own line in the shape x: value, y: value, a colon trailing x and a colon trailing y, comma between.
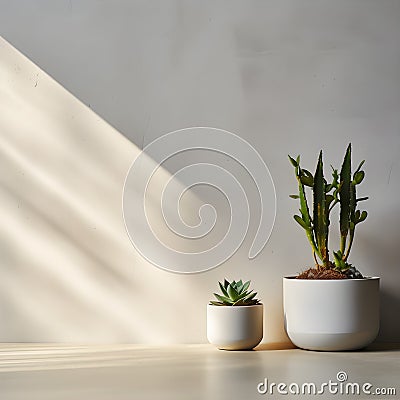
x: 287, y: 76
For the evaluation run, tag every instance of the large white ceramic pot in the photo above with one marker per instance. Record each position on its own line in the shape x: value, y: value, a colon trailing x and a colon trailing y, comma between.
x: 235, y: 327
x: 331, y: 315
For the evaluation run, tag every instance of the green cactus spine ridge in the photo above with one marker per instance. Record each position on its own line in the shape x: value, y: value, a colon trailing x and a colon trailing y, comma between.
x: 345, y: 198
x: 321, y: 213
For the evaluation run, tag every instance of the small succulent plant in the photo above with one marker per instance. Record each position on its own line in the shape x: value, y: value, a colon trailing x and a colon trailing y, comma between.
x: 235, y: 294
x: 341, y: 190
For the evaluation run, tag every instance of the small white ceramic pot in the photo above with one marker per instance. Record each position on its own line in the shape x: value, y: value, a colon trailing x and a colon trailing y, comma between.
x: 235, y: 328
x: 331, y: 315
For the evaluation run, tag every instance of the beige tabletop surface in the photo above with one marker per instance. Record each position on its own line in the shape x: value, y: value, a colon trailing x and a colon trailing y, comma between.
x: 74, y: 372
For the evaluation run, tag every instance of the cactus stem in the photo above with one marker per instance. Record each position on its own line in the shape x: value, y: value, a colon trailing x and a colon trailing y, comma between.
x: 313, y: 245
x: 343, y: 240
x: 332, y: 206
x: 351, y: 238
x: 315, y: 259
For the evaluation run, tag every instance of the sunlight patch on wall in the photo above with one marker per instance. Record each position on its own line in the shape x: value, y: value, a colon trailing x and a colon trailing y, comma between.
x: 69, y: 272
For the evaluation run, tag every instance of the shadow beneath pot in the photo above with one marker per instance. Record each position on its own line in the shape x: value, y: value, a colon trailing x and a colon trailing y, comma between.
x: 275, y: 346
x: 390, y: 311
x: 381, y: 347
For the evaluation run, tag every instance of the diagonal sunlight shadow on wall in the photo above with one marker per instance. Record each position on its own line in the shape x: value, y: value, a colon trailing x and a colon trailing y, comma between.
x: 68, y: 271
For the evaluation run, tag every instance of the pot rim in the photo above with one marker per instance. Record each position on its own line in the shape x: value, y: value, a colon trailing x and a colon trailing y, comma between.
x: 366, y: 278
x: 234, y: 307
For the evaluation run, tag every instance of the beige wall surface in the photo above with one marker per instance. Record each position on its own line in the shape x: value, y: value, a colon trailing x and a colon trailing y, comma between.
x: 85, y: 85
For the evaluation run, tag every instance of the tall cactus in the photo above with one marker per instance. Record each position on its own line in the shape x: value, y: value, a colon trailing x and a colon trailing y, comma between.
x: 326, y: 195
x: 349, y: 215
x: 321, y: 214
x: 316, y: 227
x: 345, y: 198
